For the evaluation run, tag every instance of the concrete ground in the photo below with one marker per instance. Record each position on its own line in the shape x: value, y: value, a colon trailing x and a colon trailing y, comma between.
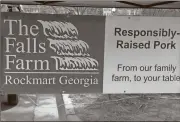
x: 41, y: 107
x: 70, y: 113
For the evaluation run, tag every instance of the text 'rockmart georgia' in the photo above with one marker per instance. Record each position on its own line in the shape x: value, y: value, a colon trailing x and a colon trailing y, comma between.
x: 63, y: 80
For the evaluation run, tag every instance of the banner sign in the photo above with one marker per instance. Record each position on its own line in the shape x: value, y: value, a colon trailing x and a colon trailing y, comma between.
x: 89, y: 54
x: 142, y: 55
x: 52, y: 53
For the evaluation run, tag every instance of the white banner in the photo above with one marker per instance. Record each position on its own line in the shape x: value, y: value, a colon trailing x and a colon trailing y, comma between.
x: 142, y: 55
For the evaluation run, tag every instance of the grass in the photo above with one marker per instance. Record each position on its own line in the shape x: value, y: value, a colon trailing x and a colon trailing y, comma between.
x: 90, y: 107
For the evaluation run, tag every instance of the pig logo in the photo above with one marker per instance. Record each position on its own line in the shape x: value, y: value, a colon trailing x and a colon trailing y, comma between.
x: 71, y: 53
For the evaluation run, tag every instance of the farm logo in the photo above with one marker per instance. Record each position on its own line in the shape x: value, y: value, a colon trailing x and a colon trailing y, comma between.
x: 72, y: 53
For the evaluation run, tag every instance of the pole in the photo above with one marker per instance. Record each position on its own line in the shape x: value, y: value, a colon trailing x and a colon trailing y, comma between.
x: 61, y: 107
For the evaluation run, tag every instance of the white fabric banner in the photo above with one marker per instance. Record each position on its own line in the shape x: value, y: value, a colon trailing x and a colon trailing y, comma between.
x: 142, y: 55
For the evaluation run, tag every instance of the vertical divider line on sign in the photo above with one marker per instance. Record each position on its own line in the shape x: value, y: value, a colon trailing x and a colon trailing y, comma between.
x: 0, y: 66
x: 105, y: 18
x: 1, y: 57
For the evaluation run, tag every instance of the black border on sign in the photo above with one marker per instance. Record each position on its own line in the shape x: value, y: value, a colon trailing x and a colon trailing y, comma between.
x: 1, y: 52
